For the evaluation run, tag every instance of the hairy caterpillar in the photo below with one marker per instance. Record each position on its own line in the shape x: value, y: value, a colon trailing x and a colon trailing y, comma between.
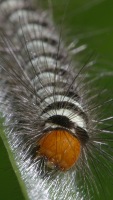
x: 22, y: 38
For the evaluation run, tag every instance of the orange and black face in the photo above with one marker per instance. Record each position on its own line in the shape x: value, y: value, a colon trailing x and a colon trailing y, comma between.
x: 59, y: 145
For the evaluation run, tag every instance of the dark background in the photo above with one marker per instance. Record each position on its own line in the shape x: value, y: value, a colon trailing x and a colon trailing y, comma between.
x: 92, y: 21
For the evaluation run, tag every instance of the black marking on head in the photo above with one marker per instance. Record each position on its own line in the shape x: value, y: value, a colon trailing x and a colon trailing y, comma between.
x: 61, y: 121
x: 82, y: 135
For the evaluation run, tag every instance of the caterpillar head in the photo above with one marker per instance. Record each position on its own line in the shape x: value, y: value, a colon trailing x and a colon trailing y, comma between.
x: 61, y: 149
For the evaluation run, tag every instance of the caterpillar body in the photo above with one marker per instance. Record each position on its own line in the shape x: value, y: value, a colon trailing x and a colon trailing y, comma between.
x: 50, y: 125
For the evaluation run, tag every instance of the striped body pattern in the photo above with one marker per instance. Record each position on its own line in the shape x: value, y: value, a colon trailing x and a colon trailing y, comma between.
x: 46, y: 113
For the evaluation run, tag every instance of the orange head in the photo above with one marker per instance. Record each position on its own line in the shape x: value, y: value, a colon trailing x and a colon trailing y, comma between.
x: 61, y: 149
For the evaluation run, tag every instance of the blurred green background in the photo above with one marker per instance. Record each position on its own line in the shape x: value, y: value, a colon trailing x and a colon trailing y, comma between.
x: 92, y: 22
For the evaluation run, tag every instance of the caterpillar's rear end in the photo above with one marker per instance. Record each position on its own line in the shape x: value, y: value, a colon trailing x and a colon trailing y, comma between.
x: 49, y: 126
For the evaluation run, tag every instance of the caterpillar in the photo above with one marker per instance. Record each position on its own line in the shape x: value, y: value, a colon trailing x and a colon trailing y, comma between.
x: 60, y: 144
